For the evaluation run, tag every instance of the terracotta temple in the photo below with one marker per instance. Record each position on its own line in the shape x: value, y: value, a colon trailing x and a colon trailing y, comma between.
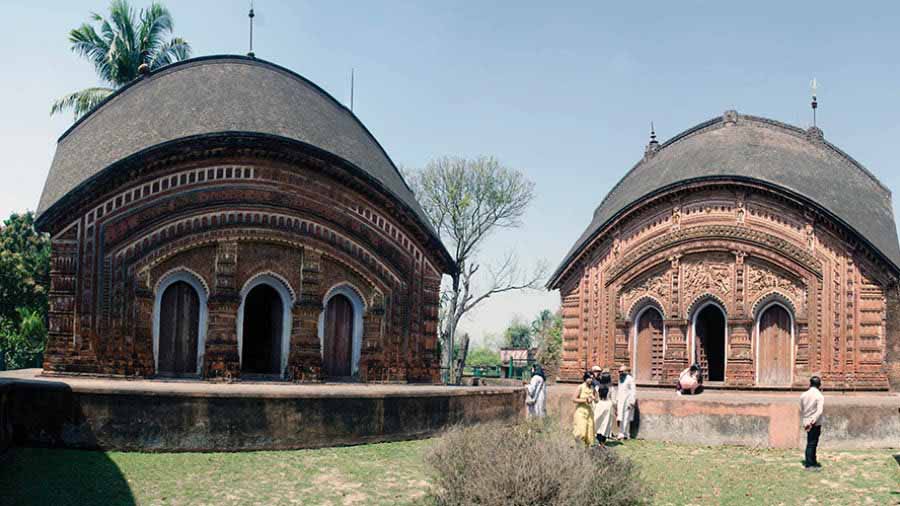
x: 226, y: 218
x: 757, y: 249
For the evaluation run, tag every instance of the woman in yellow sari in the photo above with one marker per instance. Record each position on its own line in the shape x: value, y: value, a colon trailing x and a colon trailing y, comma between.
x: 583, y: 423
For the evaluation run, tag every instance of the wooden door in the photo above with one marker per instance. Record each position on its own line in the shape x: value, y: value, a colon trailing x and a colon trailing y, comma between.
x: 338, y: 338
x: 774, y: 347
x: 649, y: 347
x: 179, y: 317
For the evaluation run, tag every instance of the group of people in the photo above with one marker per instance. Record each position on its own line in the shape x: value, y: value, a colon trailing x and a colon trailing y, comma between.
x: 598, y: 402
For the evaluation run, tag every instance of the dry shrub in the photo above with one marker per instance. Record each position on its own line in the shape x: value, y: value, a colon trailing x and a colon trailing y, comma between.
x: 531, y: 464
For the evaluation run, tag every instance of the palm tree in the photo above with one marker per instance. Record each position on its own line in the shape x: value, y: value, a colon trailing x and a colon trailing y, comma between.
x: 123, y: 44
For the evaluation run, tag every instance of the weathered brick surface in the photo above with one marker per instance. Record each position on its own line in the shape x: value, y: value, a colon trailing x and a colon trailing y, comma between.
x: 741, y: 246
x: 226, y: 216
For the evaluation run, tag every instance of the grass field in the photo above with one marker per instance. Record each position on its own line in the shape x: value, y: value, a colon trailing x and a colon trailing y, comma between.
x: 393, y: 473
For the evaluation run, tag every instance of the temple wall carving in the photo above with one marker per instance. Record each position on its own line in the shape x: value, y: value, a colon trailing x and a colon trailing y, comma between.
x: 226, y: 223
x: 745, y: 248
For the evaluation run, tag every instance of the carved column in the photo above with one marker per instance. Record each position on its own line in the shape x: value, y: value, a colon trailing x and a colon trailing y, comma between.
x: 61, y: 319
x: 801, y: 364
x: 739, y: 297
x: 371, y: 361
x: 622, y: 355
x: 676, y: 358
x: 305, y: 360
x: 142, y: 362
x: 430, y: 358
x: 222, y: 359
x: 740, y: 367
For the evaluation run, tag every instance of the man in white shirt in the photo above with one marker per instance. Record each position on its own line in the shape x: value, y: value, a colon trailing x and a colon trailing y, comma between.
x: 626, y: 395
x: 812, y: 404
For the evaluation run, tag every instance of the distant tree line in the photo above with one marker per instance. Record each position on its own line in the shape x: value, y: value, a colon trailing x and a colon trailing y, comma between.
x: 543, y: 333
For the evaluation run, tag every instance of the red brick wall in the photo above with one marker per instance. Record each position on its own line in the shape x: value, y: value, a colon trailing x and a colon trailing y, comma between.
x: 228, y: 217
x: 742, y: 246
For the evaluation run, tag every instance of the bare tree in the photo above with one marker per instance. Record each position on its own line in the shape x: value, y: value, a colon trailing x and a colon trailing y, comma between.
x: 466, y: 200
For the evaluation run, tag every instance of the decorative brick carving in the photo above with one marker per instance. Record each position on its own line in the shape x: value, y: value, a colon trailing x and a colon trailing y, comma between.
x: 742, y: 245
x: 706, y: 275
x: 230, y: 214
x: 764, y: 279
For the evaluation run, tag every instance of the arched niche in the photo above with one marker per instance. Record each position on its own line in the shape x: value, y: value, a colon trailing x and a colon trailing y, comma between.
x: 284, y: 293
x: 176, y: 280
x: 357, y: 302
x: 709, y: 337
x: 774, y: 338
x: 648, y: 343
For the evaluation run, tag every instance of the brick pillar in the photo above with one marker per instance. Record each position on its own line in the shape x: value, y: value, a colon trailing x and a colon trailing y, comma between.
x: 740, y: 367
x: 801, y: 362
x: 676, y: 358
x: 371, y: 360
x: 892, y: 336
x: 305, y: 360
x: 222, y: 360
x: 623, y: 353
x: 142, y: 361
x: 61, y: 316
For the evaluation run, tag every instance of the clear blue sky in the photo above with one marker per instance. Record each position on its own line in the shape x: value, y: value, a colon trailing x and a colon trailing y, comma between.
x: 563, y: 91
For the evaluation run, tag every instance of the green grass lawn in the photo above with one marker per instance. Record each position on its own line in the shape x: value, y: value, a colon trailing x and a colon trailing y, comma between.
x: 393, y: 473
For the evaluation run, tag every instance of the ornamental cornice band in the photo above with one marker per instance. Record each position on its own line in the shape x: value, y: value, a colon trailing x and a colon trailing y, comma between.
x: 710, y: 232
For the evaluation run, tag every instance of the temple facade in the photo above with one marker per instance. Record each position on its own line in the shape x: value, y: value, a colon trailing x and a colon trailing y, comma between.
x: 755, y: 249
x: 226, y: 218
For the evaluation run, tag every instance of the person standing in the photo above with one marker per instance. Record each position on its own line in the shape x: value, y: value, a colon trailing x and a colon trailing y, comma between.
x: 812, y: 404
x: 583, y: 419
x: 603, y: 415
x: 536, y: 393
x: 626, y: 395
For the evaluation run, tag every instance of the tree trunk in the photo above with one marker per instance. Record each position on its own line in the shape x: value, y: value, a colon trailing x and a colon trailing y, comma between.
x: 449, y: 332
x: 461, y: 361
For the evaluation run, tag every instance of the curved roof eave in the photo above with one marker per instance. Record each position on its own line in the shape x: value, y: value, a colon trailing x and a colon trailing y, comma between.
x: 222, y: 91
x: 780, y: 173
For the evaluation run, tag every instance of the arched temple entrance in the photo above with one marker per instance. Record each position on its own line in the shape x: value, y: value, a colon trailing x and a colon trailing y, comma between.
x: 774, y: 359
x: 179, y: 330
x: 648, y: 345
x: 709, y: 341
x: 337, y: 352
x: 262, y: 331
x: 341, y: 331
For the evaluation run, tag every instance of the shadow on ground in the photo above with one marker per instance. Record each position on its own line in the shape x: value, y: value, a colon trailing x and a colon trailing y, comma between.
x: 32, y: 471
x: 53, y: 477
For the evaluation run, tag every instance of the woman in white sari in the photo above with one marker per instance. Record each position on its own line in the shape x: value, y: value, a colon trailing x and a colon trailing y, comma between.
x: 536, y: 393
x: 603, y: 415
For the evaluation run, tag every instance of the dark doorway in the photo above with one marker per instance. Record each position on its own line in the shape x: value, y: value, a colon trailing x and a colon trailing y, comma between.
x: 179, y: 325
x: 710, y: 343
x: 648, y: 353
x: 338, y: 337
x: 262, y: 329
x: 774, y: 347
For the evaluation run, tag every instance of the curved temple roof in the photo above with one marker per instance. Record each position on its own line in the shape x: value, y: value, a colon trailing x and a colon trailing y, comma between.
x: 761, y: 150
x: 211, y: 95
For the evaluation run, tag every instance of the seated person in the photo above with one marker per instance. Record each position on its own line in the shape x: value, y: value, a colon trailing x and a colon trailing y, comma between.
x: 689, y: 380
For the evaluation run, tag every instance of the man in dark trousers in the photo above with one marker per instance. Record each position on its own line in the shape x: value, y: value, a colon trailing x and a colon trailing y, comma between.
x: 812, y: 403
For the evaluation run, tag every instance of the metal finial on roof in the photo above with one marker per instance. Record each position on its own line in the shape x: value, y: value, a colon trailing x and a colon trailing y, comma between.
x: 814, y: 103
x: 351, y: 89
x: 653, y: 145
x: 251, y: 15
